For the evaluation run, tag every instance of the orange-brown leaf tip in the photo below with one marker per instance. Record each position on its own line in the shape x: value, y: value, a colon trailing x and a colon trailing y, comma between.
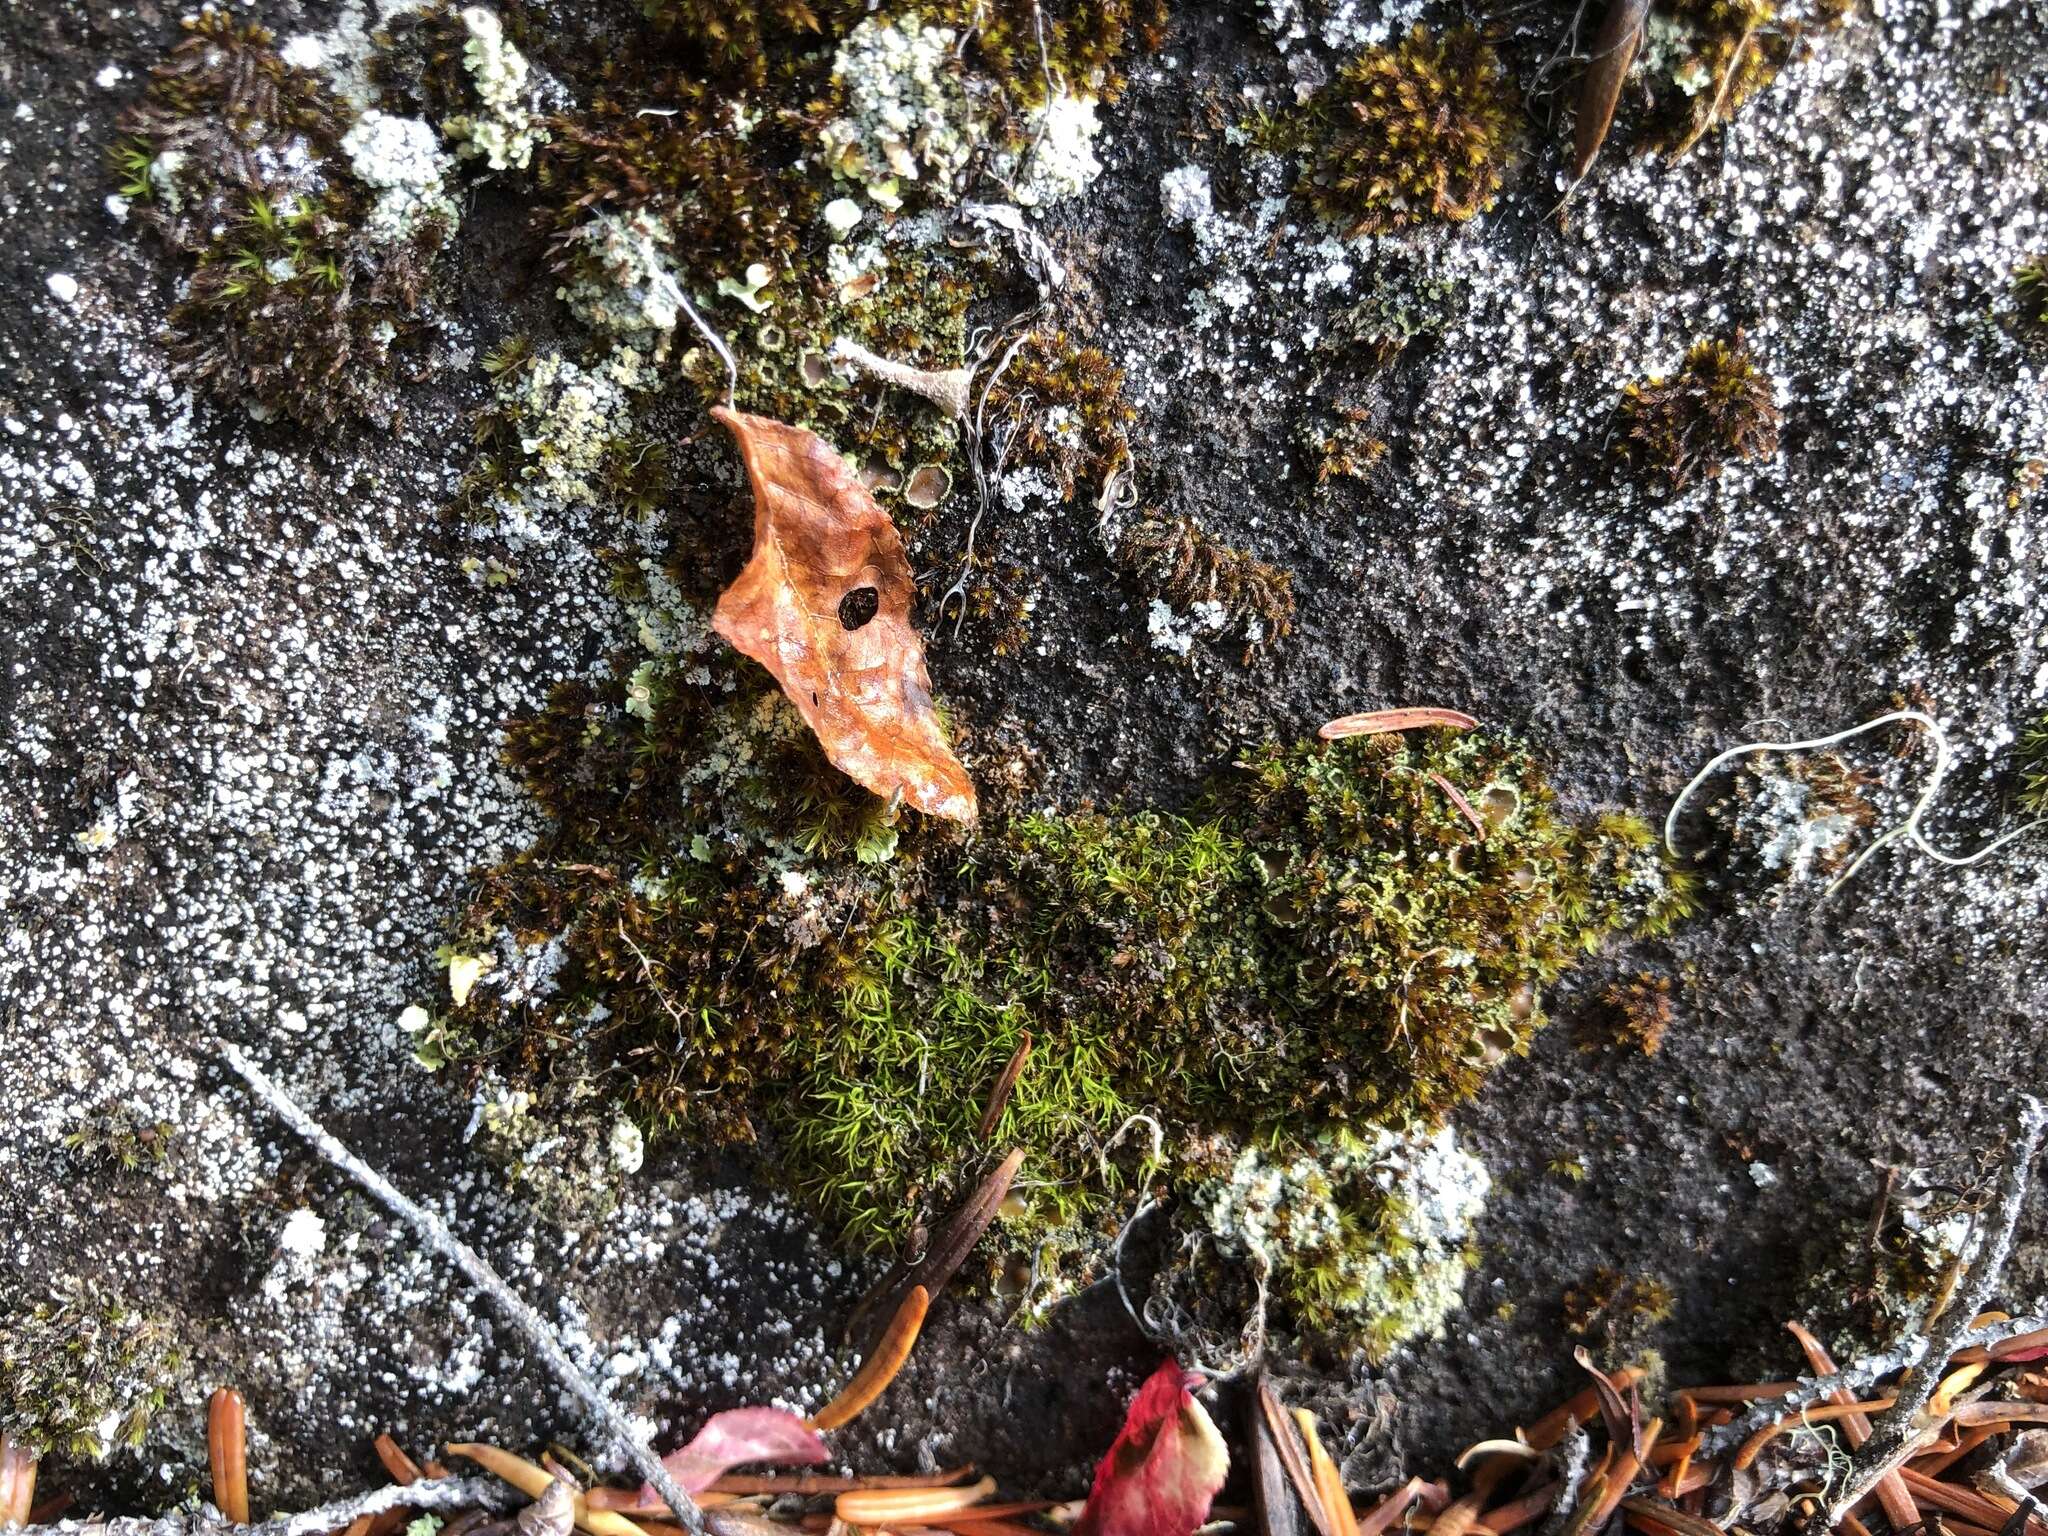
x: 1164, y: 1468
x: 824, y: 604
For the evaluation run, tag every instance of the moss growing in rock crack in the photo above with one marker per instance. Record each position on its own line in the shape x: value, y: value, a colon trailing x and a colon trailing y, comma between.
x: 761, y: 948
x: 1719, y: 407
x: 1177, y: 561
x: 2033, y: 768
x: 118, y: 1137
x: 1632, y: 1014
x: 80, y: 1376
x: 1413, y: 132
x: 312, y: 247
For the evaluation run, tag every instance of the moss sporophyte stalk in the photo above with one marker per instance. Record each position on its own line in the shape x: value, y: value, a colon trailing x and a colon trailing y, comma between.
x: 1323, y: 946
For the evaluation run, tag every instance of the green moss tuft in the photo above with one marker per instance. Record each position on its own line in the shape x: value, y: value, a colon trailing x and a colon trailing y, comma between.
x: 81, y: 1376
x: 1410, y: 133
x: 2033, y: 767
x: 1719, y: 407
x: 1713, y: 55
x: 1063, y: 402
x: 1177, y: 561
x: 2030, y: 295
x: 292, y: 307
x: 761, y: 949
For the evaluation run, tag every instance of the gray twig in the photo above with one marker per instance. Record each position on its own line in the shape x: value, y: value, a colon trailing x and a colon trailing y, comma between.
x: 442, y: 1493
x: 1897, y: 1432
x: 435, y: 1233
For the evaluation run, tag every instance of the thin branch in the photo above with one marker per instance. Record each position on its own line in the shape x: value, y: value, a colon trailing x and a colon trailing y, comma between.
x: 435, y: 1233
x: 1896, y: 1433
x: 446, y: 1493
x: 1860, y: 1377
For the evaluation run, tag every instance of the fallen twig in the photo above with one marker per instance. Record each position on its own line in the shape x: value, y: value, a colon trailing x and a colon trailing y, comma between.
x: 1005, y: 1084
x: 435, y: 1233
x: 949, y: 1249
x: 451, y: 1493
x: 1901, y: 1430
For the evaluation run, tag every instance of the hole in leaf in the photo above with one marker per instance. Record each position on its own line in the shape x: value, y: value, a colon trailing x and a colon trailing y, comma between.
x: 859, y: 606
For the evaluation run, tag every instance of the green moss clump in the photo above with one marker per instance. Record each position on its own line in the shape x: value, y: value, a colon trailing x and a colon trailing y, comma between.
x: 1177, y: 561
x: 1063, y: 403
x: 2030, y: 295
x: 759, y: 948
x: 1618, y: 1311
x: 2033, y: 766
x: 746, y: 42
x: 1716, y: 55
x: 732, y: 197
x: 1086, y: 42
x: 1413, y: 132
x: 1719, y: 407
x: 910, y: 308
x: 80, y: 1376
x: 117, y: 1137
x: 292, y: 306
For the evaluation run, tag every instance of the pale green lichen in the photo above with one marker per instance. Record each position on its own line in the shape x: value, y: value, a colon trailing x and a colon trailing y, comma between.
x: 1363, y: 1237
x: 570, y: 1155
x: 906, y: 116
x: 505, y: 129
x: 563, y: 434
x: 403, y: 162
x: 623, y: 281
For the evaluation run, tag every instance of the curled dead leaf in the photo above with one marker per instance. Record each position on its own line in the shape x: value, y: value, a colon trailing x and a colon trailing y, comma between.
x: 824, y: 604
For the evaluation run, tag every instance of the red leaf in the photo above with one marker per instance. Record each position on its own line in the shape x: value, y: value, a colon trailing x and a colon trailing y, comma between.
x: 735, y: 1436
x: 1164, y: 1468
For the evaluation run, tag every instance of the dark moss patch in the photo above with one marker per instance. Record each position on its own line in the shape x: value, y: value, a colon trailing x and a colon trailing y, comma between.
x: 82, y: 1375
x: 234, y: 158
x: 1177, y: 561
x: 1718, y: 407
x: 1617, y: 1310
x: 756, y: 947
x: 1414, y: 132
x: 2030, y: 296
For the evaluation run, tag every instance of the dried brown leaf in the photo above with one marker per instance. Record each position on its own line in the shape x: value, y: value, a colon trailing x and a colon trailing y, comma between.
x: 1614, y: 49
x: 824, y: 604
